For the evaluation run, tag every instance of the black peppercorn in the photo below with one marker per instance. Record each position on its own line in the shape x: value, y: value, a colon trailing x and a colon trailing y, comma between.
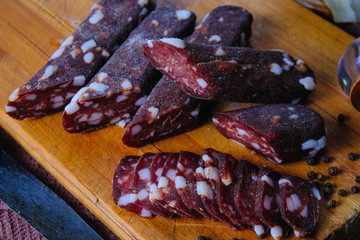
x: 328, y: 185
x: 311, y: 161
x: 342, y: 192
x: 326, y: 159
x: 311, y: 174
x: 328, y: 191
x: 357, y: 179
x: 201, y: 238
x: 234, y: 239
x: 355, y: 189
x: 341, y: 118
x: 333, y: 171
x: 321, y: 177
x: 332, y: 204
x: 352, y: 156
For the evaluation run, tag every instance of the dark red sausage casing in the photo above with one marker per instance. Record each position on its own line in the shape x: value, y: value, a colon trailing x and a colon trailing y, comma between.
x: 78, y: 59
x: 280, y: 132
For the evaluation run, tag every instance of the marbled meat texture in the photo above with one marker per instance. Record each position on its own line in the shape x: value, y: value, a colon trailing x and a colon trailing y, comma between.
x: 279, y: 132
x: 122, y: 84
x: 168, y: 111
x: 266, y: 203
x: 78, y: 59
x: 185, y: 183
x: 236, y: 74
x: 245, y: 194
x: 299, y: 204
x: 122, y: 177
x: 216, y: 178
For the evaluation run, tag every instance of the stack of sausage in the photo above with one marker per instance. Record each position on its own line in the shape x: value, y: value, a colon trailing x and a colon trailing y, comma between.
x: 218, y: 187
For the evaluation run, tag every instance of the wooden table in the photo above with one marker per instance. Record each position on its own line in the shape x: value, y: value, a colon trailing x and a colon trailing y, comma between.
x: 31, y: 30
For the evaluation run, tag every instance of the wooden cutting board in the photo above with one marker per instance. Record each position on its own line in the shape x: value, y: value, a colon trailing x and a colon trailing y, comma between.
x: 31, y: 30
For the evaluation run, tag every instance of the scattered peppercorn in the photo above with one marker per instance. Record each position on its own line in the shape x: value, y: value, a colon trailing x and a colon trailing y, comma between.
x: 311, y: 161
x: 311, y: 174
x: 341, y: 118
x: 328, y: 191
x: 326, y: 159
x: 352, y: 156
x: 357, y: 179
x: 355, y: 189
x: 234, y: 239
x: 342, y: 192
x: 201, y: 238
x: 332, y: 204
x: 328, y: 185
x: 333, y: 171
x: 321, y: 177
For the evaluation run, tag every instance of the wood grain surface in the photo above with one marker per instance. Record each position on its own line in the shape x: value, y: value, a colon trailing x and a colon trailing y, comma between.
x: 31, y: 30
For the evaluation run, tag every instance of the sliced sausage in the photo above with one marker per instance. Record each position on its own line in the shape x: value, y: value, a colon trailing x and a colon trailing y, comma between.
x: 279, y: 132
x: 78, y: 59
x: 299, y: 204
x: 266, y: 203
x: 121, y: 86
x: 232, y: 73
x: 168, y: 111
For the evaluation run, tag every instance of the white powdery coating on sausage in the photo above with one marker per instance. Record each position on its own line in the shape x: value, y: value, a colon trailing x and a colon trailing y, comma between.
x: 49, y: 71
x: 215, y: 38
x: 30, y: 97
x: 293, y: 203
x: 144, y: 174
x: 140, y: 101
x: 57, y: 53
x: 126, y: 199
x: 96, y: 17
x: 180, y: 182
x: 182, y: 14
x: 163, y: 182
x: 142, y: 194
x: 171, y: 173
x: 276, y: 69
x: 79, y: 80
x: 202, y: 83
x: 276, y: 232
x: 176, y: 42
x: 142, y: 3
x: 285, y: 181
x: 220, y: 52
x: 153, y: 112
x: 145, y: 213
x: 308, y: 83
x: 89, y: 57
x: 14, y: 95
x: 212, y: 173
x: 88, y: 45
x: 304, y: 212
x: 99, y: 87
x: 10, y: 109
x: 150, y: 43
x: 317, y: 193
x: 259, y: 230
x: 203, y: 189
x: 136, y: 129
x: 267, y: 202
x: 268, y: 180
x: 101, y: 76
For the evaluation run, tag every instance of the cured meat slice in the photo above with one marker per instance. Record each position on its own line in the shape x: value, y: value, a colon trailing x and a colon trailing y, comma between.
x: 225, y: 188
x: 185, y: 183
x: 141, y: 186
x: 122, y: 177
x: 266, y: 203
x: 299, y: 204
x: 232, y: 73
x: 78, y: 59
x: 121, y: 85
x: 167, y: 189
x: 168, y: 111
x: 281, y: 132
x: 245, y: 194
x: 204, y: 188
